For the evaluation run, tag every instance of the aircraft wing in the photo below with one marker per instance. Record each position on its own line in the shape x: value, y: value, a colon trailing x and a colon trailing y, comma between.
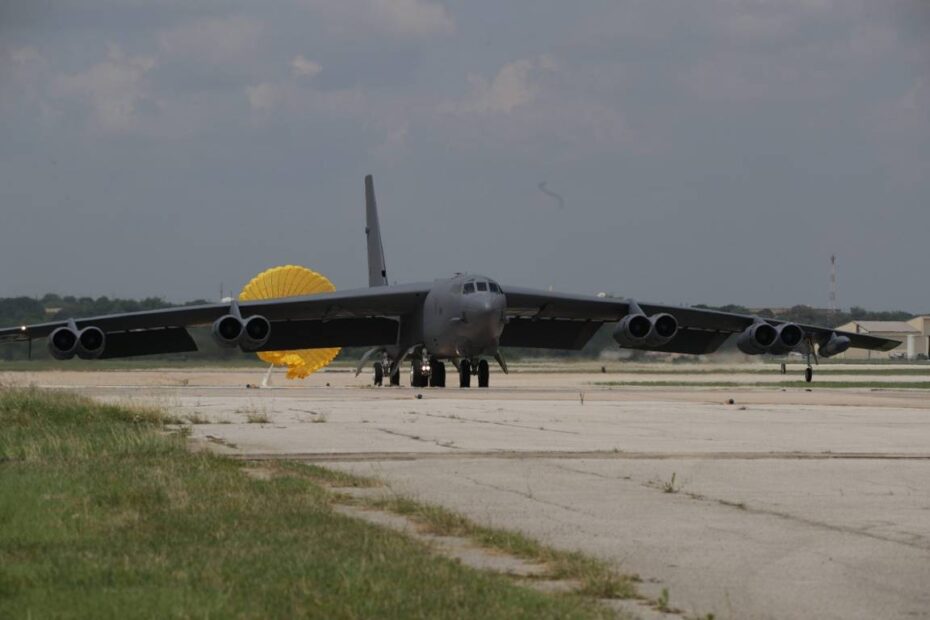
x: 536, y: 314
x: 357, y: 317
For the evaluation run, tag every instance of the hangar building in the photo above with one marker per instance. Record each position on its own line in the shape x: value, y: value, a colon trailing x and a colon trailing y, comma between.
x: 913, y: 334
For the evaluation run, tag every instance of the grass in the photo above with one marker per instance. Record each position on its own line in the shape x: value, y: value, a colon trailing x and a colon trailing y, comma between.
x: 883, y: 385
x: 103, y: 513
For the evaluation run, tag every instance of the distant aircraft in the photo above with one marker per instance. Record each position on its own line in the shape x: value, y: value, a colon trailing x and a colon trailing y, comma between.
x: 465, y: 319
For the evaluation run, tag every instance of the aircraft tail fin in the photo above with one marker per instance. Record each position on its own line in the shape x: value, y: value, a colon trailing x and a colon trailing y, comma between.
x: 377, y: 272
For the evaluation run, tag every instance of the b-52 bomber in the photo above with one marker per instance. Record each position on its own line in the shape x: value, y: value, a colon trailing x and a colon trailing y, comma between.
x: 464, y: 319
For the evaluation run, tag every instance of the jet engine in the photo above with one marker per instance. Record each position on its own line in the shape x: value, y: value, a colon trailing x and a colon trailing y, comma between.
x: 63, y: 343
x: 249, y: 334
x: 757, y: 339
x: 227, y: 330
x: 66, y: 342
x: 255, y: 332
x: 638, y: 330
x: 834, y: 346
x: 788, y: 337
x: 90, y: 343
x: 664, y: 328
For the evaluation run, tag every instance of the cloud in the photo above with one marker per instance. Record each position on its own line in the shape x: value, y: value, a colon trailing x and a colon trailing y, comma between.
x: 112, y: 88
x: 398, y: 18
x: 511, y: 88
x: 305, y: 68
x: 217, y: 40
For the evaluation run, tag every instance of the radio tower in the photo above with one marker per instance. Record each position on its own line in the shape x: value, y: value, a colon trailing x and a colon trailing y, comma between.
x: 833, y: 284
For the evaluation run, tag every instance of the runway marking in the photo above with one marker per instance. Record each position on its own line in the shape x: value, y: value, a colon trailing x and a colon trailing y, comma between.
x: 589, y: 454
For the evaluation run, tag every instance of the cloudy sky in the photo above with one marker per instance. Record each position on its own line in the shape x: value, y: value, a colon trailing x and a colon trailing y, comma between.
x: 715, y: 151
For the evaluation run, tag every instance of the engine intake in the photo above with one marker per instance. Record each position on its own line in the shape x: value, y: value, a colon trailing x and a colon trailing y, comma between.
x: 250, y: 334
x: 789, y: 337
x: 63, y: 343
x: 91, y: 343
x: 834, y: 346
x: 757, y: 339
x: 227, y: 330
x: 637, y: 331
x: 255, y: 332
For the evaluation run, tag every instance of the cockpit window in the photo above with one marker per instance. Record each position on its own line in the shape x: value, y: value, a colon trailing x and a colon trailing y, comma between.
x: 482, y: 286
x: 494, y: 287
x: 468, y: 288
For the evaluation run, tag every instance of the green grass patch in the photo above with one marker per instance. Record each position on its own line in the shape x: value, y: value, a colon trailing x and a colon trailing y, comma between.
x: 877, y: 385
x: 596, y: 578
x: 103, y: 513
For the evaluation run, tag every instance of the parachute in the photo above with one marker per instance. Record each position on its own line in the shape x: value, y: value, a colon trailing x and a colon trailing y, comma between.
x: 291, y: 281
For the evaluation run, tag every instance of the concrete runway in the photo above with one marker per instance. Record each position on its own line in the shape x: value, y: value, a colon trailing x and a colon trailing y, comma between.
x: 785, y: 504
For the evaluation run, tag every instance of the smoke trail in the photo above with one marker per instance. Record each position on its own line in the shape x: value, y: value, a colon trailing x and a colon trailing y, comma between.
x: 549, y: 192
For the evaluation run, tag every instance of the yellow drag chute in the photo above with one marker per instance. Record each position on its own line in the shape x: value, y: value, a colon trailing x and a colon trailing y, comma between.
x: 291, y: 281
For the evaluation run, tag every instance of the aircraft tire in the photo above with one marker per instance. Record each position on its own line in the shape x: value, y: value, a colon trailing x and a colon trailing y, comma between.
x: 809, y: 375
x: 464, y: 374
x: 437, y: 374
x: 379, y: 373
x: 484, y: 374
x: 395, y: 377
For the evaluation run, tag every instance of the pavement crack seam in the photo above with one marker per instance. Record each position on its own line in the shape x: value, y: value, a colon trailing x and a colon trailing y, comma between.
x: 497, y: 423
x: 527, y: 495
x: 742, y: 507
x: 441, y: 444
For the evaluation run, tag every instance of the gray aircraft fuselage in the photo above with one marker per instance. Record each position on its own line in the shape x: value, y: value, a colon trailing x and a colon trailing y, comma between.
x: 458, y: 320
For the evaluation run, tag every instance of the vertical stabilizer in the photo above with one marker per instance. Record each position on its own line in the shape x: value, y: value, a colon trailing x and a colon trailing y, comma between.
x: 377, y: 272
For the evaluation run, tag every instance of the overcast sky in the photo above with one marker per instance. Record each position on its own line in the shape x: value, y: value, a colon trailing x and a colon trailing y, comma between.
x: 715, y: 151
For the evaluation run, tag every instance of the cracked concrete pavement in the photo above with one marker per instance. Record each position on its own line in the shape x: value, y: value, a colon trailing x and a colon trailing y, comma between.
x: 787, y: 504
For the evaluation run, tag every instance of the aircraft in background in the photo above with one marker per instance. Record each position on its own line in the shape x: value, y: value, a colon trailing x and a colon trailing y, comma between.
x: 464, y: 319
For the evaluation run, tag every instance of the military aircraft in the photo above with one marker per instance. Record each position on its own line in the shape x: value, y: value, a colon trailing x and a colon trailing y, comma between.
x: 465, y: 319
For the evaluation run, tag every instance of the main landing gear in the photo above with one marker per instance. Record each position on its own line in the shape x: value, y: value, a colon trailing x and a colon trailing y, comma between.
x: 381, y: 369
x: 481, y: 369
x: 809, y: 371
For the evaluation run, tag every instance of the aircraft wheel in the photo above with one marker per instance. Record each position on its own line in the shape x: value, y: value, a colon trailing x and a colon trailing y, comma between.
x: 436, y: 374
x: 417, y: 377
x: 464, y: 374
x: 379, y: 373
x: 809, y: 374
x: 395, y: 376
x: 484, y: 373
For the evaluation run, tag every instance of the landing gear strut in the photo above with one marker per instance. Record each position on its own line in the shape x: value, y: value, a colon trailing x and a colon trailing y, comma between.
x: 809, y: 371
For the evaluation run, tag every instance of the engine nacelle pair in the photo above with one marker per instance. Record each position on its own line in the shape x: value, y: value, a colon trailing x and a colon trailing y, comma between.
x: 66, y: 342
x: 762, y: 337
x: 249, y: 334
x: 640, y: 331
